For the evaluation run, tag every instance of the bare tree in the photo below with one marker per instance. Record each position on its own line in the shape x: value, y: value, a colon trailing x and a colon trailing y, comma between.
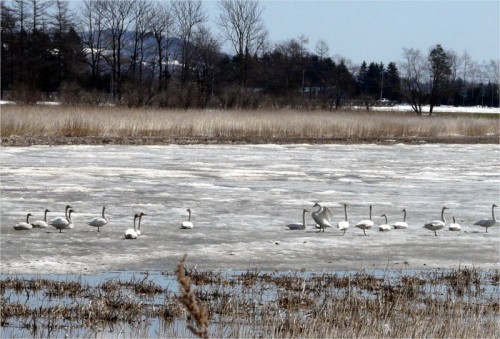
x: 413, y: 72
x: 493, y: 71
x: 162, y: 24
x: 188, y: 14
x: 141, y: 11
x: 118, y: 17
x: 62, y: 18
x: 293, y: 63
x: 91, y: 30
x: 206, y: 55
x: 475, y: 75
x: 241, y: 23
x: 62, y: 21
x: 322, y: 49
x: 20, y: 13
x: 455, y: 64
x: 39, y: 9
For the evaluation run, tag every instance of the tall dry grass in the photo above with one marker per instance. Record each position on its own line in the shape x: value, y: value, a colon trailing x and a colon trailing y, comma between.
x: 36, y: 121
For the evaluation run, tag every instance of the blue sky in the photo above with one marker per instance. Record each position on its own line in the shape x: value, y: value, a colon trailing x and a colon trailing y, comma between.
x: 378, y: 30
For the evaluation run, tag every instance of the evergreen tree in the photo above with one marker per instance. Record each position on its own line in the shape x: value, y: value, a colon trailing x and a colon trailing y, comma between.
x: 344, y: 81
x: 440, y: 67
x: 362, y: 77
x: 392, y: 82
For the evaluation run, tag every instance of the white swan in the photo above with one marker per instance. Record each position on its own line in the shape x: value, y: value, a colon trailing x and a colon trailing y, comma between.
x: 343, y: 225
x: 139, y: 223
x: 63, y: 224
x: 99, y: 222
x: 488, y: 222
x: 366, y: 224
x: 384, y: 227
x: 436, y: 225
x: 401, y: 225
x: 299, y: 226
x: 131, y: 233
x: 61, y: 220
x: 41, y: 223
x: 454, y: 226
x: 22, y: 226
x: 187, y: 225
x: 322, y: 217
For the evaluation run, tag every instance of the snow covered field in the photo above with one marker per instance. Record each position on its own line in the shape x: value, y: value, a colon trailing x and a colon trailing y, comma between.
x: 395, y: 108
x: 438, y: 109
x: 242, y: 197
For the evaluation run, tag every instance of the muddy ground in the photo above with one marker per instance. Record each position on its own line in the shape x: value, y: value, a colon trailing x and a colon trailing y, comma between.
x: 166, y: 140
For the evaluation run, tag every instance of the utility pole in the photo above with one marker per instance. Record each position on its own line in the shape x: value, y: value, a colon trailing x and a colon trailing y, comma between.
x: 382, y: 86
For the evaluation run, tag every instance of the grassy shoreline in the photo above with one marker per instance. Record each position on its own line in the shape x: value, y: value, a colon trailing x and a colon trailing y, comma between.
x: 55, y: 125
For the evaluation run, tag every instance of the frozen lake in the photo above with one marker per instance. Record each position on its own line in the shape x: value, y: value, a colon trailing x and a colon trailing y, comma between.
x: 242, y: 197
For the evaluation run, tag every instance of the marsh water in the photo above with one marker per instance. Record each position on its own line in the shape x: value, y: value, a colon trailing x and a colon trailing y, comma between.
x: 241, y: 197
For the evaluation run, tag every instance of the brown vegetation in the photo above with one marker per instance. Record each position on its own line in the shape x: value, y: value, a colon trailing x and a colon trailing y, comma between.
x: 456, y: 303
x: 50, y: 125
x: 188, y: 299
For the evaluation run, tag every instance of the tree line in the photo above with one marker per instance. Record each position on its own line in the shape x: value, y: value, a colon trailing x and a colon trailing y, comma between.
x: 162, y: 53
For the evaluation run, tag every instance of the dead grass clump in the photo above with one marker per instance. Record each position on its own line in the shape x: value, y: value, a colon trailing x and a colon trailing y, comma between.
x: 203, y: 278
x: 249, y: 278
x: 188, y: 299
x: 142, y: 286
x: 9, y: 310
x: 110, y: 286
x: 68, y: 288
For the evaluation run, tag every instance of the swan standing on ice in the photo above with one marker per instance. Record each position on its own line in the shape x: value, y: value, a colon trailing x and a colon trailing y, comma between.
x: 41, y: 223
x: 488, y: 222
x: 343, y: 225
x: 299, y: 226
x: 99, y: 222
x: 22, y: 226
x: 139, y: 223
x: 367, y: 223
x: 187, y: 225
x: 322, y: 217
x: 131, y: 233
x: 386, y: 226
x: 454, y: 226
x: 61, y: 220
x: 61, y: 224
x: 436, y: 225
x: 401, y: 225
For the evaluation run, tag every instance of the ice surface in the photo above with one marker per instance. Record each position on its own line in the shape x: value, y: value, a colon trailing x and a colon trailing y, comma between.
x: 241, y: 198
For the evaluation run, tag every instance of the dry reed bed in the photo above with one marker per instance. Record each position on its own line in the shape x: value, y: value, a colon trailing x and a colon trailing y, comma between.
x: 458, y: 303
x: 39, y: 121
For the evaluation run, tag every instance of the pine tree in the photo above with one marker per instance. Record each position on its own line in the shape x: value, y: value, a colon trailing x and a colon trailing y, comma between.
x: 440, y: 65
x: 392, y: 82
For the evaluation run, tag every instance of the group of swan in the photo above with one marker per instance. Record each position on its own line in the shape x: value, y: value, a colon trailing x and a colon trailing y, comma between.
x: 436, y: 225
x: 322, y: 216
x: 61, y: 223
x: 132, y: 233
x: 65, y: 222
